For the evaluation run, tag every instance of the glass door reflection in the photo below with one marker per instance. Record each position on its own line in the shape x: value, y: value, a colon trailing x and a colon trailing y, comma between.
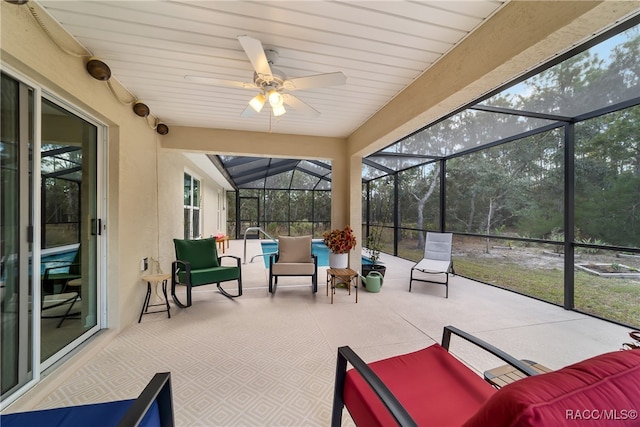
x: 69, y: 227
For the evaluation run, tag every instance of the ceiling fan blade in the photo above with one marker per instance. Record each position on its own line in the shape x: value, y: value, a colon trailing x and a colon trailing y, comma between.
x: 254, y: 50
x: 318, y: 80
x: 220, y: 82
x: 298, y: 105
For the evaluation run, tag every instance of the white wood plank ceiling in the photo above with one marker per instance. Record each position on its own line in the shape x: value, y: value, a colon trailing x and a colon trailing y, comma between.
x: 380, y: 46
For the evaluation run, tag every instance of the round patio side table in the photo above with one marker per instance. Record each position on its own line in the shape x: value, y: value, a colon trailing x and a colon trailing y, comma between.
x: 155, y: 278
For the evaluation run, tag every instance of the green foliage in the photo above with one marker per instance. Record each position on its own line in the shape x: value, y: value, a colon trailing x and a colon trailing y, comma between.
x: 300, y: 228
x: 373, y: 244
x: 381, y: 194
x: 590, y: 241
x: 282, y: 212
x: 507, y: 188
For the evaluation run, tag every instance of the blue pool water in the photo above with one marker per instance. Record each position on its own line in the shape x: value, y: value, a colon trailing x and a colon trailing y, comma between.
x: 317, y: 247
x: 60, y: 258
x: 57, y: 259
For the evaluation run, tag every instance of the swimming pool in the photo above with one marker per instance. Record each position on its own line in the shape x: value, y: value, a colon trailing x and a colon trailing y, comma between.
x: 317, y: 247
x: 58, y: 257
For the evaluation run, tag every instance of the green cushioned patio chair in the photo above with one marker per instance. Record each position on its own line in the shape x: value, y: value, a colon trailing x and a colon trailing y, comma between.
x: 197, y: 263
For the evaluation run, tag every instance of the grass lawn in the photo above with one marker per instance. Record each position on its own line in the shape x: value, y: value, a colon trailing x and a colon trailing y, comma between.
x: 610, y: 298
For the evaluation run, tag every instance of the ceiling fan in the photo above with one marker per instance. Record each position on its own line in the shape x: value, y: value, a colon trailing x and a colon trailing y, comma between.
x: 273, y: 83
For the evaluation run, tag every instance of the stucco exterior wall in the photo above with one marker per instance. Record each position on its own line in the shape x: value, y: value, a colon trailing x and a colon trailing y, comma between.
x: 131, y: 216
x: 171, y: 168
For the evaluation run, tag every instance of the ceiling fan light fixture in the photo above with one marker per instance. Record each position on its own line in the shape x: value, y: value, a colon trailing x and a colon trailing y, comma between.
x: 275, y: 98
x: 278, y: 110
x: 257, y: 102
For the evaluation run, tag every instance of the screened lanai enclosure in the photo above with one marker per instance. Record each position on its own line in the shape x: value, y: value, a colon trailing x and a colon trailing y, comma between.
x: 539, y: 181
x: 280, y: 196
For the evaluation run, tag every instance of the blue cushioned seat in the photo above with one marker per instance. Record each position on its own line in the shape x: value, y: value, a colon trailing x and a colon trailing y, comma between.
x: 152, y: 408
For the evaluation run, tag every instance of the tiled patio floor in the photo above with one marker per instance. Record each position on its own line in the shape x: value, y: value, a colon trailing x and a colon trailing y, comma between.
x: 523, y: 326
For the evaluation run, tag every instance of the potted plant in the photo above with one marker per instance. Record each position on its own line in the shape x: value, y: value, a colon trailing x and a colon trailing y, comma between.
x: 373, y: 251
x: 339, y: 242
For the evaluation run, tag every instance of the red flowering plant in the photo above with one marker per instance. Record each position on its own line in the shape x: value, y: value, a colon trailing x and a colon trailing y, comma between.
x: 340, y: 241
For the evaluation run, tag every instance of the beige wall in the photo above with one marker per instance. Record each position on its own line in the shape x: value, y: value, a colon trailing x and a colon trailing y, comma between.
x: 171, y: 166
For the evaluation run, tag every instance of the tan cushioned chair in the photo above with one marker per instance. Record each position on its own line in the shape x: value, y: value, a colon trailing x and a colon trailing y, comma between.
x: 294, y: 258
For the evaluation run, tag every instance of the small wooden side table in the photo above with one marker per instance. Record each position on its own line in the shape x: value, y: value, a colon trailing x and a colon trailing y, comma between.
x: 344, y: 274
x: 156, y: 278
x: 220, y: 240
x: 506, y: 374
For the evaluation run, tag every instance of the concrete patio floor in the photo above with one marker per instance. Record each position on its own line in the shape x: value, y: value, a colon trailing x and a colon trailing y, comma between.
x: 401, y: 321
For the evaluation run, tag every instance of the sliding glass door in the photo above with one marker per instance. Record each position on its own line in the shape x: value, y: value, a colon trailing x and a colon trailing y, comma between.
x: 50, y: 232
x: 69, y: 228
x: 16, y: 162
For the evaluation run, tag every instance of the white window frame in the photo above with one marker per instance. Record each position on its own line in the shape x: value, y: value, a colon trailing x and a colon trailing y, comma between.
x: 191, y: 207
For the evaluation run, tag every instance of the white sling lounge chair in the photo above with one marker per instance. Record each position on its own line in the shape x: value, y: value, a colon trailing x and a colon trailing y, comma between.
x: 436, y: 260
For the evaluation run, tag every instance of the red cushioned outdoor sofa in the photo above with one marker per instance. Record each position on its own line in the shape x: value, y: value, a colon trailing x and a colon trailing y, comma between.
x: 430, y: 387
